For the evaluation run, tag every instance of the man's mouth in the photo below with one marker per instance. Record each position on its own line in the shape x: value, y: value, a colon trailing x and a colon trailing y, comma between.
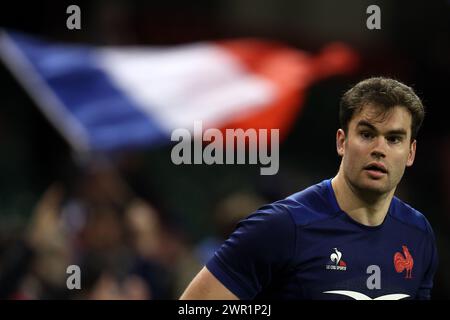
x: 376, y: 169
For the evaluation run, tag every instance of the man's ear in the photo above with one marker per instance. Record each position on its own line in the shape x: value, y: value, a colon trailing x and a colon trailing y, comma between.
x: 412, y: 153
x: 340, y: 139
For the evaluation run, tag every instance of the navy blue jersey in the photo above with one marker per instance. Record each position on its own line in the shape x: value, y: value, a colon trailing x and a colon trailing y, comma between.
x: 306, y: 247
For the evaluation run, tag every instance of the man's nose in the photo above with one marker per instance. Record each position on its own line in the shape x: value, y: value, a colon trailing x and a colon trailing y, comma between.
x: 379, y: 149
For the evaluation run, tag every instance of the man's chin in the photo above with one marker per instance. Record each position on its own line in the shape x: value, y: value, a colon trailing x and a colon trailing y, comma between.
x: 380, y: 186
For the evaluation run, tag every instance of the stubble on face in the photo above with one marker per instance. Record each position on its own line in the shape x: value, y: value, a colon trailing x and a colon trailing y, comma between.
x: 377, y: 146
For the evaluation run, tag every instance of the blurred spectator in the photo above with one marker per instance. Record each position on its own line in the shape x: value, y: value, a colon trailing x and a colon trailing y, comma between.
x: 123, y: 249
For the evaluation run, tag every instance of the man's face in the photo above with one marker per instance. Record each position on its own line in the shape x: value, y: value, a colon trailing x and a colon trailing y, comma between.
x: 377, y: 148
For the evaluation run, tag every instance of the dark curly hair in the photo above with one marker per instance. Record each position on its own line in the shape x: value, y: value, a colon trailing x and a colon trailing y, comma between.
x: 386, y: 93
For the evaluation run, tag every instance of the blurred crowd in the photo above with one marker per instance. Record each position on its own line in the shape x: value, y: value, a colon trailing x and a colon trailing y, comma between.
x: 122, y: 244
x: 126, y: 243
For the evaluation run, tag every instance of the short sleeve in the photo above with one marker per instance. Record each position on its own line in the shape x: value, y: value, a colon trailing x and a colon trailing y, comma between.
x: 432, y: 257
x: 260, y: 248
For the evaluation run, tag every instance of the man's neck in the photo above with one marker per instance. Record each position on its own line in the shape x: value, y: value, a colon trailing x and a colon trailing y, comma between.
x: 369, y: 210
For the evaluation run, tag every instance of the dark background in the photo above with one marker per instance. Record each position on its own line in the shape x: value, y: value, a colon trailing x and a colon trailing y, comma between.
x: 412, y: 46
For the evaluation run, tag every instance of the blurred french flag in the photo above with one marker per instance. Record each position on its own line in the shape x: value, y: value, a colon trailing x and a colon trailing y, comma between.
x: 114, y: 98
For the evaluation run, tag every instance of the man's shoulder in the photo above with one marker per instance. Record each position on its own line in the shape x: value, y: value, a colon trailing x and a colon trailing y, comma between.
x: 309, y: 205
x: 410, y: 216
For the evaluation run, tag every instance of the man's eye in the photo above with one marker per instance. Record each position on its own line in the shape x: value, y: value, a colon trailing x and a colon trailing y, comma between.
x: 366, y: 135
x: 394, y: 139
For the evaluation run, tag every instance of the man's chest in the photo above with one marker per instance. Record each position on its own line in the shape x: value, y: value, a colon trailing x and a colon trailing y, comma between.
x: 359, y: 269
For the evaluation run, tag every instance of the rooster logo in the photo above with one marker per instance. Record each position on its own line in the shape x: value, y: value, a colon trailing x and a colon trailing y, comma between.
x: 336, y: 258
x: 405, y: 262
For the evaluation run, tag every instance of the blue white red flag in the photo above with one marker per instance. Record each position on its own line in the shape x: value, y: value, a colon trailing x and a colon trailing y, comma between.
x: 110, y: 98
